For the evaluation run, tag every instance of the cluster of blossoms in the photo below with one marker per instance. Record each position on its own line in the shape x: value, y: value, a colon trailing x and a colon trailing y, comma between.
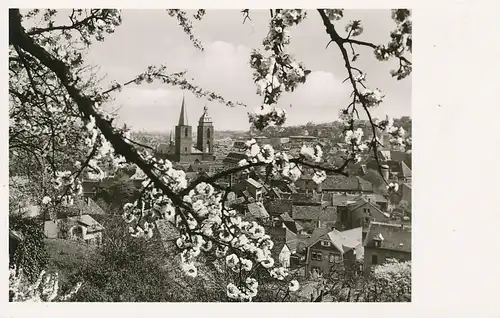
x: 278, y: 71
x: 393, y: 271
x: 399, y: 138
x: 354, y: 28
x: 334, y: 14
x: 401, y: 40
x: 246, y: 292
x: 45, y: 289
x: 372, y: 98
x: 393, y: 187
x: 186, y: 24
x: 265, y: 115
x: 353, y: 139
x: 312, y: 153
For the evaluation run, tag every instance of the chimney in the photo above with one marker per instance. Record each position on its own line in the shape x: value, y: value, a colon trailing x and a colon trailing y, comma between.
x: 385, y: 171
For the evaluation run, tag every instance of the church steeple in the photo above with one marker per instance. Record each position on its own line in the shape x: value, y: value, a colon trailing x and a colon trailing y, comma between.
x: 183, y: 135
x: 183, y: 119
x: 205, y: 136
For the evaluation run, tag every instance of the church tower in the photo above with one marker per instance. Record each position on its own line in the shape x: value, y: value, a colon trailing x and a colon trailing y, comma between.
x: 205, y: 138
x: 183, y: 135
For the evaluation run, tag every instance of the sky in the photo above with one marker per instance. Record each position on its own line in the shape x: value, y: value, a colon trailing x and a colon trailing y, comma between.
x: 152, y: 37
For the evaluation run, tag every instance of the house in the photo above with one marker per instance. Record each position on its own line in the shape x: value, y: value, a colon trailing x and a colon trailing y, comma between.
x: 326, y: 249
x: 168, y: 234
x: 254, y: 188
x: 80, y: 228
x: 385, y: 241
x: 398, y: 171
x: 360, y: 214
x: 289, y: 248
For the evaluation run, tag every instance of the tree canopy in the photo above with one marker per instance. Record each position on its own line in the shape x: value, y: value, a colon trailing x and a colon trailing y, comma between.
x: 60, y: 131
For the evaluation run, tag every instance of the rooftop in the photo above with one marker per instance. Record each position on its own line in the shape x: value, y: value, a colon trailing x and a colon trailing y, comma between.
x: 253, y: 183
x: 257, y: 210
x: 396, y: 237
x: 343, y: 183
x: 314, y: 212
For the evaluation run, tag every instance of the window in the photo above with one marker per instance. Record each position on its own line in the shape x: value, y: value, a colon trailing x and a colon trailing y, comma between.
x: 317, y: 256
x: 208, y: 133
x: 325, y: 243
x: 335, y: 258
x: 374, y: 259
x: 186, y: 132
x: 185, y: 149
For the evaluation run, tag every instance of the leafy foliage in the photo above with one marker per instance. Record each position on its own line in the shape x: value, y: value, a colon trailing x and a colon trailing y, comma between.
x: 30, y: 254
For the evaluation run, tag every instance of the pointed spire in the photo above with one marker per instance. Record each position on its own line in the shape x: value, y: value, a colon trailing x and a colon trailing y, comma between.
x: 205, y: 109
x: 183, y: 119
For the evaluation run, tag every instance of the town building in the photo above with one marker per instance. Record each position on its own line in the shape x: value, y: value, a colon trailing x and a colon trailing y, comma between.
x: 326, y: 249
x: 385, y: 241
x: 82, y: 228
x: 182, y: 148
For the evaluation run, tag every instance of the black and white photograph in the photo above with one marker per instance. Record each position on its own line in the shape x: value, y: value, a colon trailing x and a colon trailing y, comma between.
x: 210, y: 155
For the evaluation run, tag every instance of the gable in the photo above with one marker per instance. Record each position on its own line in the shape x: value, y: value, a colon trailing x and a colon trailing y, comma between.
x: 331, y: 248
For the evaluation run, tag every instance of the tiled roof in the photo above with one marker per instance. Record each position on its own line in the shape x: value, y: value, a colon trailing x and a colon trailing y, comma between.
x: 314, y: 212
x: 343, y: 183
x: 257, y: 209
x: 396, y: 237
x: 278, y: 207
x: 301, y: 198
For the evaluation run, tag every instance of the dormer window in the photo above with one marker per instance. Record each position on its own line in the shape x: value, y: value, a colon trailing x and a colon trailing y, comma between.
x: 378, y: 239
x: 325, y: 243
